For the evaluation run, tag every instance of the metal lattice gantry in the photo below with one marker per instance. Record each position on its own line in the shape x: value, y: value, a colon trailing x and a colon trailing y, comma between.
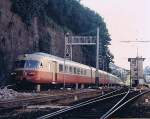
x: 82, y: 40
x: 71, y: 40
x: 76, y: 41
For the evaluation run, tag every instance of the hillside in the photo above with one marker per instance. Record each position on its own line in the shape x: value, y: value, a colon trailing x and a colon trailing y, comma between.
x: 40, y: 25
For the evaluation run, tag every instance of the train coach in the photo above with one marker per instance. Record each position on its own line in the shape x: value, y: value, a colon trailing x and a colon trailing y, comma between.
x: 41, y: 68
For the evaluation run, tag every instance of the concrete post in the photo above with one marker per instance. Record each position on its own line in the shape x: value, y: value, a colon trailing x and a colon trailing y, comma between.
x: 38, y: 88
x: 77, y: 86
x: 75, y: 98
x: 97, y: 59
x: 82, y: 86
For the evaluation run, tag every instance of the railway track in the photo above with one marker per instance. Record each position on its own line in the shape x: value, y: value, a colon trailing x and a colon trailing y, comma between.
x: 39, y: 99
x: 119, y: 92
x: 125, y: 100
x: 78, y: 110
x: 125, y: 96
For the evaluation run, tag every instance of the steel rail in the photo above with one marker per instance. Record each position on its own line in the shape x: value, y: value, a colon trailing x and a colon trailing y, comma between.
x: 39, y: 97
x: 100, y: 98
x: 109, y: 111
x: 124, y: 103
x: 16, y: 102
x: 74, y: 107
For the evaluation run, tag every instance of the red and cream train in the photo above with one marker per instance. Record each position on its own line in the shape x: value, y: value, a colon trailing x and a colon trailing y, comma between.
x: 42, y: 68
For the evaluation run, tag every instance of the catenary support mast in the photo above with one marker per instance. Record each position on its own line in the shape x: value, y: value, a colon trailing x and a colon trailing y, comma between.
x: 81, y: 40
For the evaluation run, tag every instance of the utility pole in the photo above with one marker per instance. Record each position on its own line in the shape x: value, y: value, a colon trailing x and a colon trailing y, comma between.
x: 137, y: 61
x: 66, y: 56
x: 130, y: 77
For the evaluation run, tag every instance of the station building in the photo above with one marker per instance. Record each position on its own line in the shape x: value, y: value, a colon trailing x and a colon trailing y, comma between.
x: 136, y: 70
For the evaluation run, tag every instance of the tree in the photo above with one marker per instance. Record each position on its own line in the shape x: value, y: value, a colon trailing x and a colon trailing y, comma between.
x: 68, y: 14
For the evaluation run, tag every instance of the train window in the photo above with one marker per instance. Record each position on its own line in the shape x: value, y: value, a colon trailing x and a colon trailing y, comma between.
x: 74, y: 70
x: 31, y: 64
x: 27, y: 64
x: 84, y: 72
x: 78, y: 71
x: 20, y: 64
x: 81, y: 71
x: 60, y: 67
x: 66, y: 68
x: 70, y: 69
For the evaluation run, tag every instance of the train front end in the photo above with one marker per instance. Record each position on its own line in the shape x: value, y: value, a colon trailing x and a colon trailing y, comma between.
x: 27, y: 69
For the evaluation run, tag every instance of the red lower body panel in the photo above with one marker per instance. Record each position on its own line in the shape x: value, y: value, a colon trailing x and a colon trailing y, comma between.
x: 42, y: 77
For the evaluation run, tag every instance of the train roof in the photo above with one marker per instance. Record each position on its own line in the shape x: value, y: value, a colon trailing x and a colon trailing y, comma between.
x: 61, y: 60
x: 47, y: 55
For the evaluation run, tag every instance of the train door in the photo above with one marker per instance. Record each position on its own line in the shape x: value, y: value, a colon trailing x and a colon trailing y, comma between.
x: 54, y: 72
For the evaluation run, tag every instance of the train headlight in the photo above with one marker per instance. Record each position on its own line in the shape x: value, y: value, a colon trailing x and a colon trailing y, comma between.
x: 31, y: 73
x: 13, y: 73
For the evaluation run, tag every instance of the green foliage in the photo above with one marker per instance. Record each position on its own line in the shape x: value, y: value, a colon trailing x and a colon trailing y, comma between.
x: 147, y: 70
x: 27, y: 9
x: 45, y: 43
x: 69, y: 14
x: 3, y: 65
x: 0, y: 12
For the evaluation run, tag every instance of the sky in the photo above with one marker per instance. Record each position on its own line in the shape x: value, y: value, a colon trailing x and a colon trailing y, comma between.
x: 126, y: 20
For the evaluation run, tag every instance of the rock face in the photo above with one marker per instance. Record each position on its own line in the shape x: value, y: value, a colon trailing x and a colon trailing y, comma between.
x: 17, y: 38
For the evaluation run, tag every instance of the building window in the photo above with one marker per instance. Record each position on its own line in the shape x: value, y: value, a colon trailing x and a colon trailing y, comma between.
x: 133, y: 62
